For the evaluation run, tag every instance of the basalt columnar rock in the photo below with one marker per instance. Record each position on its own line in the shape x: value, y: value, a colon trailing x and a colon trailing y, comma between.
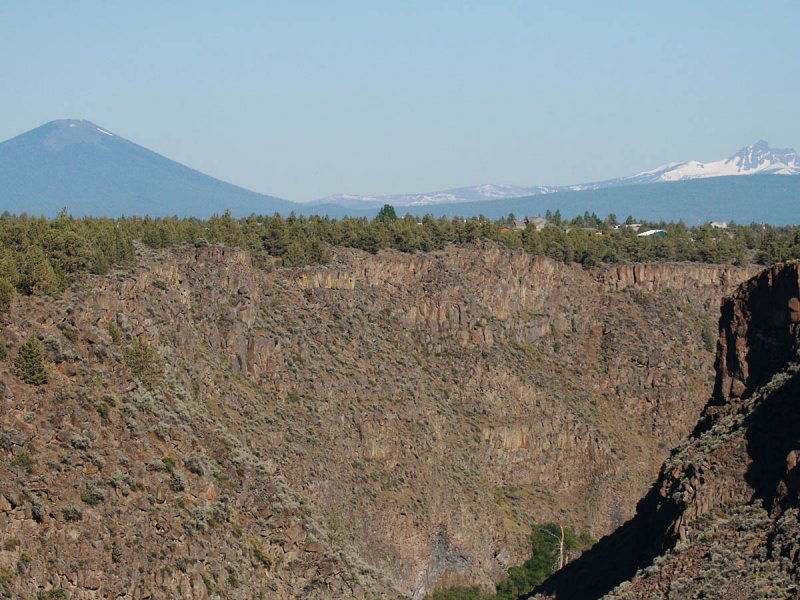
x: 723, y: 519
x: 370, y: 428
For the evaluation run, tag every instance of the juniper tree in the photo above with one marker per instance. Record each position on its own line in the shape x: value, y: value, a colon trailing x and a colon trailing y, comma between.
x: 30, y: 362
x: 144, y: 363
x: 6, y: 294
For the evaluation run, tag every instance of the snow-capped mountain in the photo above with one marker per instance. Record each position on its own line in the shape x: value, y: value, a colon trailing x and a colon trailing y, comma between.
x: 758, y: 158
x: 750, y: 160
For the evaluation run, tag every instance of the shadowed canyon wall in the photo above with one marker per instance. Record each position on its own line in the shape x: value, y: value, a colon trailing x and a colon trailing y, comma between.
x: 722, y: 519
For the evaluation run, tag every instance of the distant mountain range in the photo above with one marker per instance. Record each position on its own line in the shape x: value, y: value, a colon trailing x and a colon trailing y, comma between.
x: 758, y: 159
x: 90, y: 170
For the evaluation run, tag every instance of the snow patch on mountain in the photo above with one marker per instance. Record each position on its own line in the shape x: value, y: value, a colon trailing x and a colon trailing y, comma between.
x: 750, y: 160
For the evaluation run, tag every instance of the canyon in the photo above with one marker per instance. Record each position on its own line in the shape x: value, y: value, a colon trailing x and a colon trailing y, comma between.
x: 376, y: 427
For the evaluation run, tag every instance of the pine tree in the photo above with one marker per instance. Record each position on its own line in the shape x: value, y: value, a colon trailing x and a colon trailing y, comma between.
x: 387, y: 213
x: 30, y: 362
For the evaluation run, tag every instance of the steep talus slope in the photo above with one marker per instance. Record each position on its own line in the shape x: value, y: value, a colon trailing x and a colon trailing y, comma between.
x: 110, y: 490
x: 368, y: 428
x: 722, y: 521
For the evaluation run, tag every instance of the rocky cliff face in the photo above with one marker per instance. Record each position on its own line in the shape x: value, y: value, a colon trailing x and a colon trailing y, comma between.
x: 759, y: 333
x: 722, y: 520
x: 371, y: 428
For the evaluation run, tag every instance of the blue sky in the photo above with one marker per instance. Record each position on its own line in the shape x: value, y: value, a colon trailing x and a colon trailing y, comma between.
x: 306, y: 98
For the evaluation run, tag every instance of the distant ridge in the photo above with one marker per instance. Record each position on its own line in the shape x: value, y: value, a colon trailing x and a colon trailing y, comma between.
x: 92, y: 171
x: 756, y: 159
x: 773, y: 199
x: 477, y: 193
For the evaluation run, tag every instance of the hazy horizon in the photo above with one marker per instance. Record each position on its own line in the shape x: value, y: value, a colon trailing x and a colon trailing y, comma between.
x: 306, y: 100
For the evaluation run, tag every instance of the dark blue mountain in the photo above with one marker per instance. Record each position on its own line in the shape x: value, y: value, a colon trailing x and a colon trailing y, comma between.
x: 91, y: 171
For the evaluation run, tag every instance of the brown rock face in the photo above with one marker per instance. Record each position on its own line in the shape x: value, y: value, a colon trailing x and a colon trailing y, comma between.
x: 759, y: 331
x: 722, y: 519
x: 370, y: 428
